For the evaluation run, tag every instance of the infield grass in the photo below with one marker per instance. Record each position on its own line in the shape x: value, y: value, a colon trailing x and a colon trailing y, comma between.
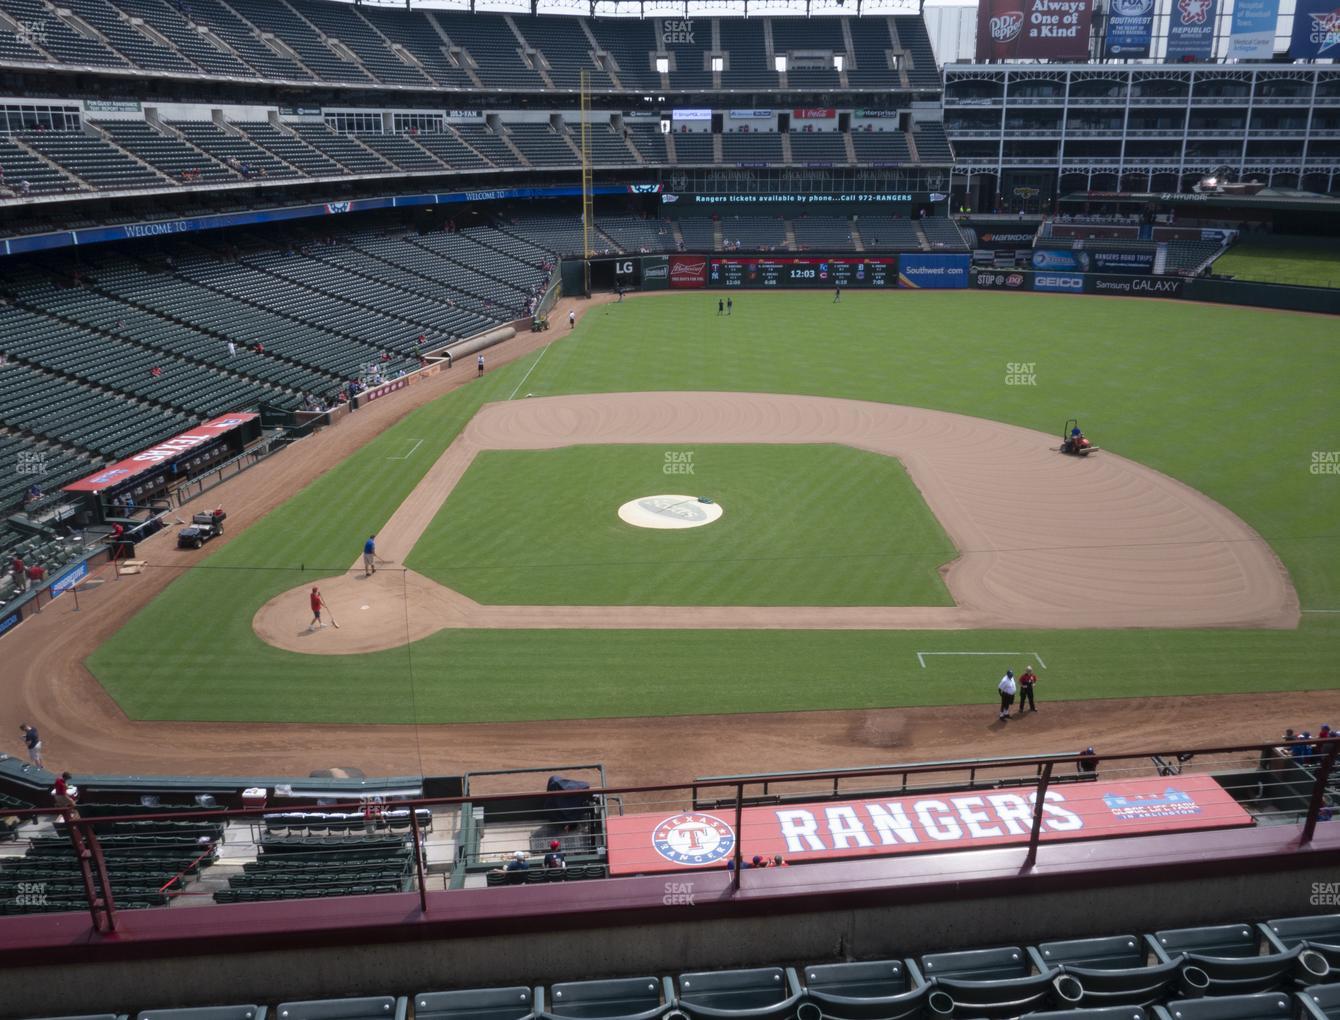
x: 1230, y: 401
x: 802, y: 526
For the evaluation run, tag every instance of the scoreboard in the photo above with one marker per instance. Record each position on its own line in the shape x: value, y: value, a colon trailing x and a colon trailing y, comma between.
x: 803, y: 272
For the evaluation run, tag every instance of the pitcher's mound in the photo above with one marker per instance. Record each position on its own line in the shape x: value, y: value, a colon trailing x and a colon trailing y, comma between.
x: 669, y: 512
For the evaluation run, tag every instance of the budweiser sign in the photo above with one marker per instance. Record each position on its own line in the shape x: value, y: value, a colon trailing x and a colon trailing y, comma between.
x: 1006, y: 27
x: 688, y: 270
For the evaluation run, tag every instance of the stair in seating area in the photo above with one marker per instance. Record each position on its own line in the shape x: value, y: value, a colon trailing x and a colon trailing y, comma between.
x: 856, y: 241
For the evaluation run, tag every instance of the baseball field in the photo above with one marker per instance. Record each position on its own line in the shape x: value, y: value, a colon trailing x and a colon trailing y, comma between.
x: 896, y: 529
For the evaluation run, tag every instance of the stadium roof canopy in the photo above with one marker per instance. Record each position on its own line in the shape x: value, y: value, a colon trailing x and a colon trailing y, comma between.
x: 659, y: 8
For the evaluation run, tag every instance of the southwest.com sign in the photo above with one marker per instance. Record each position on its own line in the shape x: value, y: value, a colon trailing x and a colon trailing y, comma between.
x: 933, y: 272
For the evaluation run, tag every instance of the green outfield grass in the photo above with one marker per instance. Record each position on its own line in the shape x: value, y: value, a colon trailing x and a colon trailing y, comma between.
x: 803, y: 526
x: 1303, y: 261
x: 1231, y: 401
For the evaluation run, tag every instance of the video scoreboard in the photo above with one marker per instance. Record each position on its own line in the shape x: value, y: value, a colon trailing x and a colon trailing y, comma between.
x: 803, y: 272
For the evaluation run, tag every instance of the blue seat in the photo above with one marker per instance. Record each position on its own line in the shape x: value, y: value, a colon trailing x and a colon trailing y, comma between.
x: 1264, y: 1006
x: 205, y: 1013
x: 379, y: 1007
x: 1287, y: 932
x: 1320, y: 1002
x: 618, y: 999
x: 764, y: 993
x: 1114, y: 952
x: 874, y: 990
x: 514, y: 1003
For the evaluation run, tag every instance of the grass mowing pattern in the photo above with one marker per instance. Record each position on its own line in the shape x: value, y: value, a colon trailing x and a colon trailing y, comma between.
x: 1253, y: 389
x: 803, y: 526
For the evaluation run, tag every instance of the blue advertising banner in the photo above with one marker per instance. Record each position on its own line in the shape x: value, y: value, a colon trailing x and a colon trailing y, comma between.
x: 9, y: 622
x: 1130, y: 24
x: 1060, y: 283
x: 68, y: 580
x: 1316, y: 30
x: 1252, y: 36
x: 1191, y: 30
x: 933, y: 272
x: 1122, y: 261
x: 1060, y: 258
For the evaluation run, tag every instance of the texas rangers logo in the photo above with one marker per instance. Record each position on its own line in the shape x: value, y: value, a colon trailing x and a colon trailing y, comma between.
x: 693, y: 840
x: 1325, y: 32
x: 339, y: 207
x: 1194, y: 12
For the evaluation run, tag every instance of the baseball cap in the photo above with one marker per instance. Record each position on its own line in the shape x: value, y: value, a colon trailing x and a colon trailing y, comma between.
x: 553, y: 844
x: 520, y: 855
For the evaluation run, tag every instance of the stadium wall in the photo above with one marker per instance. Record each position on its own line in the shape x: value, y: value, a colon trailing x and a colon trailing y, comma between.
x: 817, y: 913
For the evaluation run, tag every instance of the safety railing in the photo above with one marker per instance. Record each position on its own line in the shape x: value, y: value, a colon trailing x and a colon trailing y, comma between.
x: 104, y: 860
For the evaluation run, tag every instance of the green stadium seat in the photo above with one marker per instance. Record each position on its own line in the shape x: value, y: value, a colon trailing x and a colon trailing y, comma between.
x: 1218, y: 940
x: 1005, y: 997
x: 873, y: 990
x: 643, y: 998
x: 1299, y: 967
x: 1115, y: 952
x: 1105, y: 1013
x: 1287, y: 932
x: 87, y: 1016
x: 1265, y: 1006
x: 763, y: 993
x: 205, y: 1013
x: 1320, y: 1002
x: 977, y: 964
x: 381, y: 1007
x: 1101, y: 988
x: 475, y: 1004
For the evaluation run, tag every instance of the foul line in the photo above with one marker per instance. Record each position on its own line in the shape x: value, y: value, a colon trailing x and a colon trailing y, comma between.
x: 407, y: 456
x: 921, y: 656
x: 543, y: 349
x: 1320, y: 610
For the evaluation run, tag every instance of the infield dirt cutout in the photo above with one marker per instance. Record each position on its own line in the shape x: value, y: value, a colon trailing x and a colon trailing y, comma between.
x: 1044, y: 540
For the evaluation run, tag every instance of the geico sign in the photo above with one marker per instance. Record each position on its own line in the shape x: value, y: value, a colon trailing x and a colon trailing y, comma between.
x: 1058, y: 282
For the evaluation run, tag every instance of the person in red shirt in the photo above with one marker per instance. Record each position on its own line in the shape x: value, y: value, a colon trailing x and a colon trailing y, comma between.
x: 155, y: 371
x: 20, y: 572
x: 317, y: 603
x: 1026, y: 681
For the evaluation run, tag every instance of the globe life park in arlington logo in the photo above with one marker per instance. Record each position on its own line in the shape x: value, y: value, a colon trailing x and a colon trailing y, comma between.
x: 693, y: 839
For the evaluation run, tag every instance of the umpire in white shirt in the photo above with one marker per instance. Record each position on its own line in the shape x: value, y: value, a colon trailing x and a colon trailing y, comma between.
x: 1008, y: 688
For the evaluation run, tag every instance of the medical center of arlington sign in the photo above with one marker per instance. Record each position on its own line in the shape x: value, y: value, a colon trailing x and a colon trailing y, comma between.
x: 1029, y: 29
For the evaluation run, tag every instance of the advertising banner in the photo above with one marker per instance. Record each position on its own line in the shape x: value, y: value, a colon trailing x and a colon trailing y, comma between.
x: 1002, y: 237
x: 1252, y: 36
x: 8, y: 623
x: 1060, y: 258
x: 167, y: 450
x: 1059, y: 283
x: 1136, y: 286
x: 384, y: 390
x: 68, y: 580
x: 804, y: 272
x: 688, y: 271
x: 814, y: 113
x: 655, y: 272
x: 933, y: 272
x: 1002, y: 279
x: 1130, y: 25
x: 1122, y: 261
x: 1191, y: 30
x: 833, y: 830
x: 1034, y: 29
x: 1316, y: 30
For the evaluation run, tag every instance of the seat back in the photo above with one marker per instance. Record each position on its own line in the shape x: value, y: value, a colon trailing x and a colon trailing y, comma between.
x: 875, y: 979
x: 1000, y: 997
x: 1216, y: 940
x: 606, y: 1000
x: 1133, y: 986
x: 1287, y: 932
x: 205, y: 1013
x: 1105, y: 1013
x: 977, y: 964
x: 1249, y: 975
x: 378, y: 1007
x: 1266, y: 1006
x: 513, y: 1003
x: 1114, y: 952
x: 1321, y: 1002
x: 756, y: 988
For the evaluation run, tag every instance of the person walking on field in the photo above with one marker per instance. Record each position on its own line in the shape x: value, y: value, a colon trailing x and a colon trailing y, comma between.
x: 837, y: 294
x: 33, y: 742
x: 1026, y: 681
x: 729, y: 306
x: 1008, y: 688
x: 721, y: 307
x: 370, y: 556
x: 572, y: 318
x: 317, y: 603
